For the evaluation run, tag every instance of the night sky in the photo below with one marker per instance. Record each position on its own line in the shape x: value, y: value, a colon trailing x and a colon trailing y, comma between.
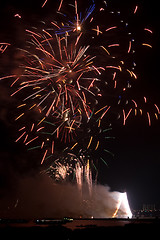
x: 136, y: 163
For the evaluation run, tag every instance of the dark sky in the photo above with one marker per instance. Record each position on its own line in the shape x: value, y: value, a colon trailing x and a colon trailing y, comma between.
x: 135, y: 167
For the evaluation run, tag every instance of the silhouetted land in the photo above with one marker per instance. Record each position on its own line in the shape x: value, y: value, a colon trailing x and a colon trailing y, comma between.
x: 80, y: 228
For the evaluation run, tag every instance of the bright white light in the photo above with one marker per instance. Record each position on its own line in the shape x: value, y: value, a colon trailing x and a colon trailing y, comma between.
x: 124, y: 207
x: 78, y: 28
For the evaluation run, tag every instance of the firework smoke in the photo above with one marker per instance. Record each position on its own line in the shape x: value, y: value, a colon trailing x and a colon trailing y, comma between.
x: 41, y: 197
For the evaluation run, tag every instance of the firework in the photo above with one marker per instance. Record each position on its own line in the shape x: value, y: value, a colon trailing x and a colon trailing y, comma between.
x: 122, y: 206
x: 74, y: 82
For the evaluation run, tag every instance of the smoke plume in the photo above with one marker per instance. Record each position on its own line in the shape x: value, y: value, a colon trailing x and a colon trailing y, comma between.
x: 40, y: 197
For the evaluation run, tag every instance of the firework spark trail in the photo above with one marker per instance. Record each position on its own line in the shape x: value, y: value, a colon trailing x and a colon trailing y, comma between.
x: 88, y: 176
x: 118, y: 206
x: 3, y: 47
x: 135, y: 10
x: 79, y: 175
x: 44, y: 3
